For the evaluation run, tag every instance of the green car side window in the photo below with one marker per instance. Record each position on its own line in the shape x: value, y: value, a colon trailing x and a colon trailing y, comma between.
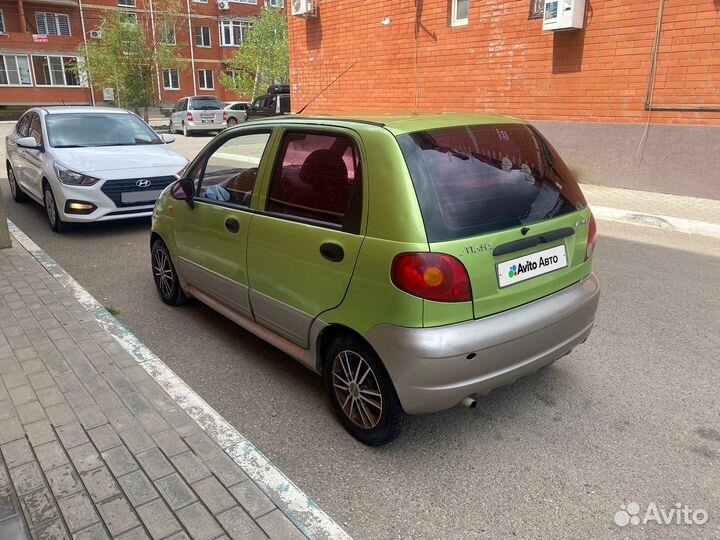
x: 231, y: 170
x: 317, y: 178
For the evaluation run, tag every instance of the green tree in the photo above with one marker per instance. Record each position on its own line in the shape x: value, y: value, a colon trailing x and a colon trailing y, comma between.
x: 263, y: 58
x: 129, y: 56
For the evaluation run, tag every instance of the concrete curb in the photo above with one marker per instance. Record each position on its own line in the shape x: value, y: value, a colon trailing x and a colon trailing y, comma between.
x: 298, y: 507
x: 689, y: 226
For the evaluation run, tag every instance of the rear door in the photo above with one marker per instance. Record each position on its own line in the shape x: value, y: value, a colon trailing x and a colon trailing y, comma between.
x: 500, y: 199
x: 305, y: 238
x: 211, y: 238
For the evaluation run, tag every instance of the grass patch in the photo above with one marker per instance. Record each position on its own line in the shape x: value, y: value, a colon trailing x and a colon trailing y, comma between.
x: 113, y: 310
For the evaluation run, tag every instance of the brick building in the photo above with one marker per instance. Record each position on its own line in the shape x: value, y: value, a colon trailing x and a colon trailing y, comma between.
x: 632, y: 99
x: 40, y: 38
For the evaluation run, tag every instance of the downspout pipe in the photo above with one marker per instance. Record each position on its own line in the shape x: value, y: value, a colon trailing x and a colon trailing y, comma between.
x: 87, y: 61
x: 192, y: 49
x: 653, y: 72
x: 157, y: 65
x: 21, y: 15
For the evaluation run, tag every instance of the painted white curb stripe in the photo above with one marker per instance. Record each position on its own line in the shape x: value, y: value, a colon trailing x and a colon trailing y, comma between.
x: 297, y: 506
x: 690, y: 226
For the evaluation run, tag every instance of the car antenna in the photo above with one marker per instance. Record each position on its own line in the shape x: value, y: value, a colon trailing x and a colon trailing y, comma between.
x: 328, y: 86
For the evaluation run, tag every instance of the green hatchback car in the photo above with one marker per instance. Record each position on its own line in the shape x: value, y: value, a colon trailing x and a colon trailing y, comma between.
x: 414, y: 262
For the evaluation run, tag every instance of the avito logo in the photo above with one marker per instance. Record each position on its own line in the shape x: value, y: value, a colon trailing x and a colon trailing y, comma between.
x: 517, y: 269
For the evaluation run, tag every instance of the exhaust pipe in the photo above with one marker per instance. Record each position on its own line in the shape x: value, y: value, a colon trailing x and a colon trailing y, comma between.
x: 469, y: 402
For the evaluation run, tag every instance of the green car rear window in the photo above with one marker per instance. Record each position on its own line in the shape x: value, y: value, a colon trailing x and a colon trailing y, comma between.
x: 473, y: 180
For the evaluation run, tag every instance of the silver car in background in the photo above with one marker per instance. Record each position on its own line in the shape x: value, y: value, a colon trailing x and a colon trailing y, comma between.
x: 236, y: 112
x: 198, y: 114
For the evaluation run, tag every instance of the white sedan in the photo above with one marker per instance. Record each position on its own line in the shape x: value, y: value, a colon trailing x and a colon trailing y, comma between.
x: 89, y: 163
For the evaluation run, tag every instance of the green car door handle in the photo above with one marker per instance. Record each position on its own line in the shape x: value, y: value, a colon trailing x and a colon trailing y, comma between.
x: 332, y: 252
x: 232, y: 225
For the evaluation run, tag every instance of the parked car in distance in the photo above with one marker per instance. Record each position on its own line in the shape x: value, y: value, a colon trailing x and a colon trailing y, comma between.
x: 274, y: 103
x: 198, y: 114
x: 88, y: 164
x: 414, y: 262
x: 236, y: 112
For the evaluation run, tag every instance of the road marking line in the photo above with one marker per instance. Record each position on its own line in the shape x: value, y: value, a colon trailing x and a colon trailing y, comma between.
x: 301, y: 509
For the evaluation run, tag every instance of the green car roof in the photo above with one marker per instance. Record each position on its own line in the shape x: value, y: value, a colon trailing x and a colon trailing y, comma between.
x: 399, y: 124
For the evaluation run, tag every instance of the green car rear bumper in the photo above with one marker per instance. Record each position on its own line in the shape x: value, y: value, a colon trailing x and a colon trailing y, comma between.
x: 436, y: 368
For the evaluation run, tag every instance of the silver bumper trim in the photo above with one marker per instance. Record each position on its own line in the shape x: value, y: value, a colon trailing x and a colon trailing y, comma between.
x: 430, y: 366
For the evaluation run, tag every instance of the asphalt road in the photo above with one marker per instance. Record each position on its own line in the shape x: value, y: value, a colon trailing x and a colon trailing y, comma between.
x: 633, y: 415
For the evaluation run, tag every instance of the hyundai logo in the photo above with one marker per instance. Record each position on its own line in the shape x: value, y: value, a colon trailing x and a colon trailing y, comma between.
x: 143, y: 183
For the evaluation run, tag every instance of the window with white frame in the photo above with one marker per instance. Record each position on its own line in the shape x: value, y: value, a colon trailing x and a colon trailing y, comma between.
x: 52, y: 24
x: 206, y: 79
x: 233, y: 32
x: 537, y: 8
x: 126, y: 3
x: 131, y: 16
x: 53, y: 70
x: 200, y: 1
x: 14, y: 70
x: 2, y: 22
x: 460, y: 12
x: 171, y: 79
x: 275, y: 3
x: 202, y: 36
x: 252, y: 2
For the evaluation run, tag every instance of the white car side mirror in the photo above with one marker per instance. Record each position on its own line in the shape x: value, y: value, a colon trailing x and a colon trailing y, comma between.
x: 167, y: 138
x: 28, y: 142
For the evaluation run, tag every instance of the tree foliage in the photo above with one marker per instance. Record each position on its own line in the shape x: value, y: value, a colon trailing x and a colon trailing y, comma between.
x: 263, y: 58
x: 129, y: 58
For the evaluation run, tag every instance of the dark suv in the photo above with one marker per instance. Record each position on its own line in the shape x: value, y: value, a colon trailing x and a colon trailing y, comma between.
x: 274, y: 103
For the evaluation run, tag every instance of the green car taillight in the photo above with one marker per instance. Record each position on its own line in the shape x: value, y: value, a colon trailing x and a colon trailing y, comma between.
x: 432, y: 276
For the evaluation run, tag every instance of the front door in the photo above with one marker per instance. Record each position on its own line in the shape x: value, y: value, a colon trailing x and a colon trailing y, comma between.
x: 305, y: 238
x: 211, y: 238
x: 33, y: 167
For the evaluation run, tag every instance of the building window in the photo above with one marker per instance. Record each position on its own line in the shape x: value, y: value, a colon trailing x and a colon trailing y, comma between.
x: 252, y: 2
x: 200, y: 1
x: 168, y: 36
x: 233, y: 32
x: 171, y: 79
x: 126, y: 3
x: 275, y: 3
x: 2, y: 22
x: 537, y: 8
x: 460, y: 10
x: 52, y: 24
x: 131, y: 16
x: 206, y: 79
x: 55, y: 70
x: 14, y: 70
x: 202, y: 36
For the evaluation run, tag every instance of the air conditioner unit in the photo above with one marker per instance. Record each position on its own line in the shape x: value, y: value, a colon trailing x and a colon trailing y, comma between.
x: 563, y: 14
x: 95, y: 34
x: 224, y: 5
x: 303, y: 8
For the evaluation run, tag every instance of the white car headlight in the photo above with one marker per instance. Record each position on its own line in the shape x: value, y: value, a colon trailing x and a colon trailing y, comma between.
x: 66, y: 176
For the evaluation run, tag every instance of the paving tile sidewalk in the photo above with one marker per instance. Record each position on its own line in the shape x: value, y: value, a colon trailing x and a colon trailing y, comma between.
x: 91, y: 447
x: 646, y: 202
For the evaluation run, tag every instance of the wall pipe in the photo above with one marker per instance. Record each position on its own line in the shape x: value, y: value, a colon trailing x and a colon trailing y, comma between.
x: 87, y: 62
x: 192, y: 49
x: 653, y: 72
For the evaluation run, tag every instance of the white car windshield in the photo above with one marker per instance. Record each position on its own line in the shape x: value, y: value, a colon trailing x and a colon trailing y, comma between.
x: 98, y: 129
